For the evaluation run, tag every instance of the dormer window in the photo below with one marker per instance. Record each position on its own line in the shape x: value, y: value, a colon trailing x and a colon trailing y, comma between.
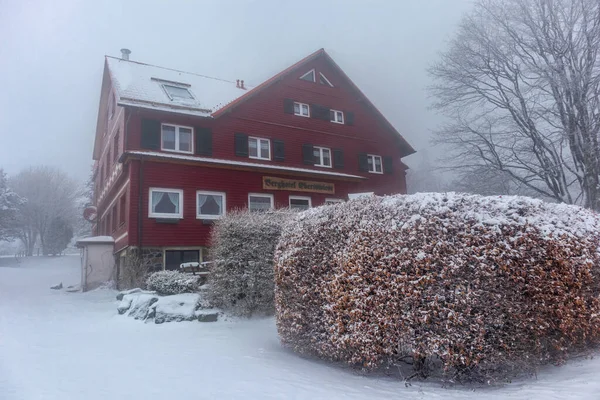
x: 309, y: 76
x: 178, y: 92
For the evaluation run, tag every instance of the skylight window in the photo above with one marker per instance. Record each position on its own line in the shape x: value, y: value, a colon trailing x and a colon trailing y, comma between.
x: 309, y: 76
x: 178, y: 92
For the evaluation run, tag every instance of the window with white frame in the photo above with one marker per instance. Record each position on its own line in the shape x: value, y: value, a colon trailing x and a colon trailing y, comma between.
x: 178, y: 92
x: 165, y: 203
x: 301, y: 109
x: 300, y: 203
x: 309, y: 76
x: 333, y: 201
x: 324, y: 81
x: 322, y: 156
x: 259, y: 148
x: 210, y: 205
x: 260, y: 202
x: 176, y: 138
x: 375, y: 165
x: 336, y: 116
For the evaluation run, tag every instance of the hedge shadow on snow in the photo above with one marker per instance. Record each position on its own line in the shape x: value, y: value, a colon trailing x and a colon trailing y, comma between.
x: 485, y: 287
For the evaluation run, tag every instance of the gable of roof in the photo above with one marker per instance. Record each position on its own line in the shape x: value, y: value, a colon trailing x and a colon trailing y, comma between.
x: 141, y: 85
x: 405, y: 146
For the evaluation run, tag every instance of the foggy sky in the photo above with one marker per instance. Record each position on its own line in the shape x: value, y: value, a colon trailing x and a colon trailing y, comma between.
x: 52, y: 54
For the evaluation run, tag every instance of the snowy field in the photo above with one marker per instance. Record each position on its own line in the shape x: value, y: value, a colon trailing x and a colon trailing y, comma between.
x: 58, y: 345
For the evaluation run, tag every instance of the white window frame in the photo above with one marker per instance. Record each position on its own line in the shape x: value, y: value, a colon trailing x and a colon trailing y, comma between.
x: 206, y: 216
x: 335, y: 115
x: 300, y: 198
x: 176, y: 150
x: 333, y: 201
x: 314, y: 74
x: 320, y: 163
x: 300, y: 105
x: 325, y: 78
x: 373, y: 157
x: 258, y: 140
x: 163, y: 215
x: 164, y: 86
x: 270, y: 196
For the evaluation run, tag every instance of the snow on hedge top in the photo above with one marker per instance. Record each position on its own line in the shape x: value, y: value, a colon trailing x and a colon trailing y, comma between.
x: 550, y: 218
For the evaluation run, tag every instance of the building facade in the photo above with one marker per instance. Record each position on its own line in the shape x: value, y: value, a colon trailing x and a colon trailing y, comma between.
x: 174, y: 151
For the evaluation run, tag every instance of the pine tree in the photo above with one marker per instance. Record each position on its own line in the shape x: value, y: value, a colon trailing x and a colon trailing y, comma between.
x: 9, y: 208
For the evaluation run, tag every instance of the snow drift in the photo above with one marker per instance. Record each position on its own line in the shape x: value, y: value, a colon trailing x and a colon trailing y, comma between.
x: 484, y: 286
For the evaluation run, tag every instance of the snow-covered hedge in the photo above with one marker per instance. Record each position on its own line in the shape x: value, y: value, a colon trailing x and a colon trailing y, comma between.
x: 241, y: 275
x: 486, y: 286
x: 174, y: 282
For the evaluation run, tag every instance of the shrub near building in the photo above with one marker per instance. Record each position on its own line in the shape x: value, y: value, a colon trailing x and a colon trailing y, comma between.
x: 242, y: 247
x: 490, y: 287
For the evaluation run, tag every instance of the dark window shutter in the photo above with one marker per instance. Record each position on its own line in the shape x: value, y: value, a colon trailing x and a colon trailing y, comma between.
x: 326, y: 114
x: 278, y: 150
x: 150, y: 134
x: 203, y: 141
x: 307, y: 154
x: 320, y: 112
x: 288, y: 106
x: 349, y: 118
x: 387, y: 165
x: 241, y: 145
x: 338, y: 158
x: 363, y: 162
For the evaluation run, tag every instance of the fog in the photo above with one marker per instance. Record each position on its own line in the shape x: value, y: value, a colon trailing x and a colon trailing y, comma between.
x: 51, y: 59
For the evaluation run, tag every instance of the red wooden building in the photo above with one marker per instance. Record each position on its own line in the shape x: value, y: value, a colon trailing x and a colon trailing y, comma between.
x: 175, y: 150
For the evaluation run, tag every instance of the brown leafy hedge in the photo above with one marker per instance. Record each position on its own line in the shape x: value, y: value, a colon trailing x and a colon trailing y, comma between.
x: 484, y: 286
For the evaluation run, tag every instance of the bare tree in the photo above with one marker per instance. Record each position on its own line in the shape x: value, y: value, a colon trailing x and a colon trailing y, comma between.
x: 50, y: 194
x: 521, y: 84
x: 484, y: 181
x: 425, y: 177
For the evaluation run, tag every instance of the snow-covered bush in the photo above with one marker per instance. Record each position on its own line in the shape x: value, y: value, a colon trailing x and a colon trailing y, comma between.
x: 241, y: 275
x: 485, y: 286
x: 173, y: 282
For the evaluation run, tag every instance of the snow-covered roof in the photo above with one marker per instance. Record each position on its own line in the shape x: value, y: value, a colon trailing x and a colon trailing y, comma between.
x: 95, y: 239
x: 141, y: 85
x: 219, y: 161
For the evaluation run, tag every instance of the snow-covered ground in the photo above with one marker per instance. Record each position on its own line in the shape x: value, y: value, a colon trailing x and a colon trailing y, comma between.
x: 58, y: 345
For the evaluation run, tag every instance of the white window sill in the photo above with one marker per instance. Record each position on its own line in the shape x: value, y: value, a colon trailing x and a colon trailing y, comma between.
x: 208, y: 216
x: 323, y: 166
x: 376, y: 172
x: 177, y: 151
x: 337, y: 122
x: 259, y: 158
x: 302, y: 115
x: 165, y: 216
